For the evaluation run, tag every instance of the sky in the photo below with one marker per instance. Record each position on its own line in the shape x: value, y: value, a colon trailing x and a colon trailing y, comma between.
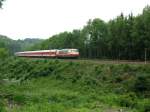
x: 20, y: 19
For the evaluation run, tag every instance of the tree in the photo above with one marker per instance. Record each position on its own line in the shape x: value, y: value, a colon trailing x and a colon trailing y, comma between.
x: 3, y: 53
x: 141, y: 34
x: 1, y: 3
x: 124, y: 37
x: 96, y: 36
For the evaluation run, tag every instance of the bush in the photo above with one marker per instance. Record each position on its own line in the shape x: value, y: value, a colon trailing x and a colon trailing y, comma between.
x: 142, y: 84
x: 128, y: 100
x: 3, y: 53
x: 144, y: 105
x: 2, y: 108
x: 122, y: 80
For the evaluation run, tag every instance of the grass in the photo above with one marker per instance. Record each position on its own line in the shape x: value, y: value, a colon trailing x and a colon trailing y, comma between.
x: 60, y: 86
x: 47, y: 94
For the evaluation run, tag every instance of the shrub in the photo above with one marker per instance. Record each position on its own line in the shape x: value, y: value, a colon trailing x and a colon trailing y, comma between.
x: 3, y: 53
x: 2, y: 108
x: 128, y: 100
x: 142, y: 84
x: 144, y: 105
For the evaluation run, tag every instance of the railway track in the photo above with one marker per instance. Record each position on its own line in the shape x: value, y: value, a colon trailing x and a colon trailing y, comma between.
x: 107, y: 61
x: 98, y: 61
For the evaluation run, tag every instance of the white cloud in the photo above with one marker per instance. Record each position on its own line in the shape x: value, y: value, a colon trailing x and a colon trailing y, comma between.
x: 43, y: 18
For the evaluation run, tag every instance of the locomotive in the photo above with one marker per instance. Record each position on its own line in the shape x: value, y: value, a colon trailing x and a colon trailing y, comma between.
x: 54, y: 53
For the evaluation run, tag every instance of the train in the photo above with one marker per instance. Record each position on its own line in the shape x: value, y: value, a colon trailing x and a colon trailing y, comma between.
x: 53, y: 53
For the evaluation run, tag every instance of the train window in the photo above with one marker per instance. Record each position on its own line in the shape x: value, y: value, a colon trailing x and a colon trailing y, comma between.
x: 74, y: 50
x: 65, y: 50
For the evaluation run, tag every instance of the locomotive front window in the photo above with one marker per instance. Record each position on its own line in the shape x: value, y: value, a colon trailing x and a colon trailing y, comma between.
x: 65, y: 50
x: 75, y: 50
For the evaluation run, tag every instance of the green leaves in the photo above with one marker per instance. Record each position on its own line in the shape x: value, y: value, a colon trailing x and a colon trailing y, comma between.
x: 1, y: 3
x: 3, y: 53
x: 124, y: 37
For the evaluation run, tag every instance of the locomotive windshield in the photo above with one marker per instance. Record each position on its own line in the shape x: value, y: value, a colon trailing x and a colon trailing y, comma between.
x: 74, y: 50
x: 65, y: 50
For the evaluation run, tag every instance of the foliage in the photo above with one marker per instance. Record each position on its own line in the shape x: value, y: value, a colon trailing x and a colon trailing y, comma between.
x: 9, y: 44
x: 28, y: 43
x: 3, y: 53
x: 51, y: 85
x: 142, y: 84
x: 31, y: 85
x: 128, y: 100
x: 1, y: 3
x: 124, y: 37
x: 17, y: 45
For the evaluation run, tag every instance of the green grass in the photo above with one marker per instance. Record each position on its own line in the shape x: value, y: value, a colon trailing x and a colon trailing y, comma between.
x: 59, y: 86
x: 47, y: 94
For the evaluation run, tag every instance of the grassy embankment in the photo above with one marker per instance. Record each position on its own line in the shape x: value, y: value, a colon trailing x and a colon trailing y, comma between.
x: 59, y: 86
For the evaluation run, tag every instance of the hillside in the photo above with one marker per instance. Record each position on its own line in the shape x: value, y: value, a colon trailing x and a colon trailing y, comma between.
x: 28, y: 43
x: 67, y: 86
x: 9, y: 44
x: 17, y: 45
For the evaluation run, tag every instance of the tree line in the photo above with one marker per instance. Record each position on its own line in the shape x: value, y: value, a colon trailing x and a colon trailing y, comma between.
x: 8, y: 46
x: 125, y: 37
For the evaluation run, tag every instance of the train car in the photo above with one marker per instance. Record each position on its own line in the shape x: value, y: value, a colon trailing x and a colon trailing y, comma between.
x: 54, y: 53
x: 41, y: 53
x: 67, y: 53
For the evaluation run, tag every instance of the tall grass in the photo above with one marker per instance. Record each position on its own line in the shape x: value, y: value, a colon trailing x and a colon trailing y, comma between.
x: 56, y: 85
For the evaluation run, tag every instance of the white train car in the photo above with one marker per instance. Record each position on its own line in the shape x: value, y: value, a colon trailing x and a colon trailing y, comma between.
x: 54, y: 53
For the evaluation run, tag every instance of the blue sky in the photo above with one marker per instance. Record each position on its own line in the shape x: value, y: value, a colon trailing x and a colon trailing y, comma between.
x: 21, y: 19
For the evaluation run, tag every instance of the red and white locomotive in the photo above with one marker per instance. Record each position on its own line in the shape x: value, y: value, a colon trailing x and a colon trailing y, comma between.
x: 54, y: 53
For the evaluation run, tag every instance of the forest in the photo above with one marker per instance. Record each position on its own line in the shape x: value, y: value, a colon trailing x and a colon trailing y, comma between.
x: 8, y: 46
x: 122, y: 38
